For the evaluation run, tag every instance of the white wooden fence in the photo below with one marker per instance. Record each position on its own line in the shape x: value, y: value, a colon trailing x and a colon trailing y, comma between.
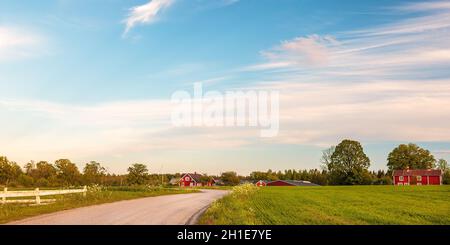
x: 37, y: 194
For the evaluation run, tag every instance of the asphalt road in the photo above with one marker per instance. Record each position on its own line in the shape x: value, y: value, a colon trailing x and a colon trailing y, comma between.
x: 177, y: 209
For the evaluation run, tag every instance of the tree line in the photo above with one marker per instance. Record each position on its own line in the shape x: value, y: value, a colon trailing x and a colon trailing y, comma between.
x: 344, y: 164
x: 63, y: 172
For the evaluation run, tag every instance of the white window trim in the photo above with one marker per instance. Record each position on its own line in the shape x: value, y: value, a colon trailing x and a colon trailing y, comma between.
x: 401, y: 178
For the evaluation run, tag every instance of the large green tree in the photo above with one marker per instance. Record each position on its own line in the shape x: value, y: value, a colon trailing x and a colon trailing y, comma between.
x: 9, y: 171
x: 45, y: 170
x: 410, y: 156
x: 137, y: 174
x: 67, y: 172
x: 348, y: 164
x: 93, y: 173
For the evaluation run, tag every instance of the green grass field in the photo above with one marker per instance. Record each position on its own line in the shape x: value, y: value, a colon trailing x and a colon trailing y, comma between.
x: 10, y: 212
x: 343, y: 205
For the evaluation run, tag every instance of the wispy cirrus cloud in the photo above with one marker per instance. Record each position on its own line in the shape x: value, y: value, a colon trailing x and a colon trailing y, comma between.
x: 18, y: 43
x: 397, y: 48
x: 424, y: 6
x: 146, y: 14
x: 382, y: 83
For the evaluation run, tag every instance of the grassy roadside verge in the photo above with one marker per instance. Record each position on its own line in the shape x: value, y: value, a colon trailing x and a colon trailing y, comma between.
x: 11, y: 212
x: 332, y: 205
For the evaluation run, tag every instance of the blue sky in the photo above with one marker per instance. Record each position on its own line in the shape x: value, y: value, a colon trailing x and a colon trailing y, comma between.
x: 92, y: 80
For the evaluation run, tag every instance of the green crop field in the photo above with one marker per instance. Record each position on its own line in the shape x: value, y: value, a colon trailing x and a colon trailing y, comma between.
x: 343, y: 205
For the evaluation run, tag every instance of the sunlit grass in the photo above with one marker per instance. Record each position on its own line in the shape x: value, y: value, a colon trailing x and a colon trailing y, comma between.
x: 334, y: 205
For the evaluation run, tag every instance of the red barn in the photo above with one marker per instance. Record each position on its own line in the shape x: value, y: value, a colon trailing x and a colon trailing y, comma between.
x: 417, y: 177
x: 192, y: 180
x: 290, y: 183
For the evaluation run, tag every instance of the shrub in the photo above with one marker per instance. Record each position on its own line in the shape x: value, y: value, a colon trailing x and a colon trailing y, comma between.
x: 25, y: 180
x: 42, y: 183
x: 242, y: 191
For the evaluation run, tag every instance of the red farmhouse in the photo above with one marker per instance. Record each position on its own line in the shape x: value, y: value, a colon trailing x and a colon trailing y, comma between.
x: 192, y: 180
x: 417, y: 177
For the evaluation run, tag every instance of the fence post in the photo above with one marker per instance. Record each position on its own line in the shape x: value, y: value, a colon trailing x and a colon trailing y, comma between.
x: 38, y: 198
x: 84, y: 191
x: 5, y: 190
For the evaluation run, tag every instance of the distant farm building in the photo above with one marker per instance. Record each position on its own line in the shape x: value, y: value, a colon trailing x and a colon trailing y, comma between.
x: 261, y: 183
x: 417, y: 177
x: 174, y: 181
x: 284, y: 183
x: 192, y: 180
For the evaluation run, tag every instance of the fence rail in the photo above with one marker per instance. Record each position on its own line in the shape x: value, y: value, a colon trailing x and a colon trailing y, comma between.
x: 37, y: 194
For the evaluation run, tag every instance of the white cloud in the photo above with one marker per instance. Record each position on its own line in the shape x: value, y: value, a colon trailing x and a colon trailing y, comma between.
x: 45, y: 130
x: 399, y: 48
x: 146, y: 14
x: 313, y: 113
x: 382, y: 83
x: 17, y: 43
x: 322, y: 112
x: 311, y: 50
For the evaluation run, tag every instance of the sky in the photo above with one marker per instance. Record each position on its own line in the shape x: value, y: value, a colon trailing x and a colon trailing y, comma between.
x: 92, y: 80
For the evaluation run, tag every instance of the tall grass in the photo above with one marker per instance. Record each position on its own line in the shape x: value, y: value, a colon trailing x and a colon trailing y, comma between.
x: 233, y: 208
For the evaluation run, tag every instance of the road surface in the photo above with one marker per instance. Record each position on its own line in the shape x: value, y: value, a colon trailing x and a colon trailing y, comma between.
x: 176, y: 209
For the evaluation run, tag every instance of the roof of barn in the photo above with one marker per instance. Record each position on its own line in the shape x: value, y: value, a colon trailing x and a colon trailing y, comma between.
x: 417, y: 172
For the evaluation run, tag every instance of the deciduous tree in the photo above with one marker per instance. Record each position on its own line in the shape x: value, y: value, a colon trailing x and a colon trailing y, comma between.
x: 67, y: 172
x: 93, y: 173
x: 9, y: 171
x: 349, y: 164
x: 410, y: 156
x: 45, y: 170
x: 137, y: 174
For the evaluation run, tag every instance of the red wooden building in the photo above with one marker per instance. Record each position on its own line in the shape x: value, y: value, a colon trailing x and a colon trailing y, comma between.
x: 261, y: 183
x: 417, y: 177
x: 290, y: 183
x: 192, y: 180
